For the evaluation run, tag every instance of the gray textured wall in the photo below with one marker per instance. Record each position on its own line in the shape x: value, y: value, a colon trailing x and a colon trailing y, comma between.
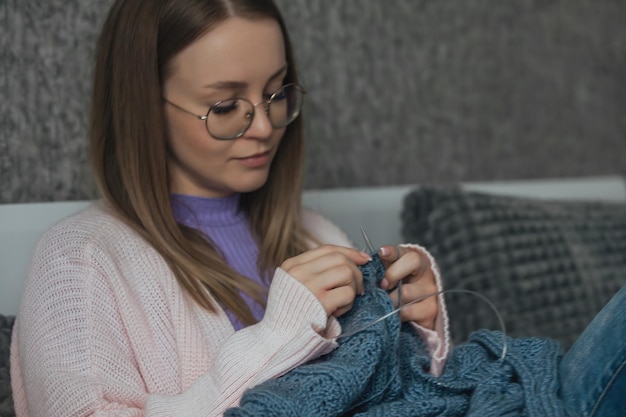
x: 401, y: 91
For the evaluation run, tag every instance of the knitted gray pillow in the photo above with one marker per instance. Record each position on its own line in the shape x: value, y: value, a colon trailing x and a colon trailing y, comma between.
x: 548, y: 266
x: 6, y: 400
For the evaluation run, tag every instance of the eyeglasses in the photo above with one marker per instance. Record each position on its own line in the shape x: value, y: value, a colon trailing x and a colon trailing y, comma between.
x: 229, y: 119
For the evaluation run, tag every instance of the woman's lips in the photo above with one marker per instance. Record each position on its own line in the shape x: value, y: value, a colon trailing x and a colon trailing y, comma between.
x: 257, y: 160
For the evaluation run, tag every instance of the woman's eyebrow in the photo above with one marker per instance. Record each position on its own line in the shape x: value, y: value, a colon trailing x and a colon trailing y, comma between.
x: 240, y: 85
x: 227, y: 85
x: 278, y: 73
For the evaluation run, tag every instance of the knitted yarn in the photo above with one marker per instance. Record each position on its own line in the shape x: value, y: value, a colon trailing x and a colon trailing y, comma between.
x: 369, y: 375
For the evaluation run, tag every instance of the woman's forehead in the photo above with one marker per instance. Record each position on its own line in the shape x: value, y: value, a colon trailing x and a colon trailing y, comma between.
x: 237, y: 49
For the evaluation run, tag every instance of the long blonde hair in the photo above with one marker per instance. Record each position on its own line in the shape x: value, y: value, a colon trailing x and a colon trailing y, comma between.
x: 129, y: 155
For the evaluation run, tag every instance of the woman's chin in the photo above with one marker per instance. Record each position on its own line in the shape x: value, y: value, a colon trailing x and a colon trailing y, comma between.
x: 252, y: 184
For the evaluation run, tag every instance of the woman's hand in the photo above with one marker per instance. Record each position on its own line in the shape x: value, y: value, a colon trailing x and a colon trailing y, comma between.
x: 414, y: 269
x: 331, y: 274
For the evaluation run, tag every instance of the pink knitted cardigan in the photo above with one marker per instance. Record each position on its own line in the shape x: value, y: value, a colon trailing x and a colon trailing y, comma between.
x: 104, y: 329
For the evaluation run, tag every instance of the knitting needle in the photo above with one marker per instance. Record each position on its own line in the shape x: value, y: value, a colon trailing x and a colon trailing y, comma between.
x: 371, y: 249
x: 368, y: 242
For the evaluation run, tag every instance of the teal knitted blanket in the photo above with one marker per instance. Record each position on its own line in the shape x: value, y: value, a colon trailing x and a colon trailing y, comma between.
x: 384, y: 371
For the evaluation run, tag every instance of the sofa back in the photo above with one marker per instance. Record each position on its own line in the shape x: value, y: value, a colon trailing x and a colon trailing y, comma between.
x: 377, y: 209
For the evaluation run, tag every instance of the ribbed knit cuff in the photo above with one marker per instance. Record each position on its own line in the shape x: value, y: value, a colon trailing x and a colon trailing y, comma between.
x: 296, y: 317
x: 290, y: 305
x: 437, y: 340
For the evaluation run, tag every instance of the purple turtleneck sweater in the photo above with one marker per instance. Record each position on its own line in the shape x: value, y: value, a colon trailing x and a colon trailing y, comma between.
x: 229, y: 229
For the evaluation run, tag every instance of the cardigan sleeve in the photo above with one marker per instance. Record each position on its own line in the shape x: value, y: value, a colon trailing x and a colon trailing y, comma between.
x: 103, y: 335
x: 277, y: 344
x: 437, y: 340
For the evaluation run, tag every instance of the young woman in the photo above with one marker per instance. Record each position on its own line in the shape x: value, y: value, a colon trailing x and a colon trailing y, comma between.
x: 198, y: 275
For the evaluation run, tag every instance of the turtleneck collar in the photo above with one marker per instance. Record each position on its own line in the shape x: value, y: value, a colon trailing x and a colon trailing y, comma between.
x: 193, y: 211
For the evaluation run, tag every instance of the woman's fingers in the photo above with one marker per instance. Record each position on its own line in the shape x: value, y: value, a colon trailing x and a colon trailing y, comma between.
x: 335, y: 276
x: 338, y: 301
x: 414, y: 270
x: 328, y: 271
x: 402, y: 263
x: 424, y: 311
x: 331, y: 273
x: 356, y: 256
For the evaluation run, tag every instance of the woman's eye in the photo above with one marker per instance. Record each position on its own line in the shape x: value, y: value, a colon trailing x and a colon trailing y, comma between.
x: 224, y: 107
x: 278, y: 95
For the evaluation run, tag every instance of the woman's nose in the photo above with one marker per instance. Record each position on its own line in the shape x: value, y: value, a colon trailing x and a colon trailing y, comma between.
x: 261, y: 126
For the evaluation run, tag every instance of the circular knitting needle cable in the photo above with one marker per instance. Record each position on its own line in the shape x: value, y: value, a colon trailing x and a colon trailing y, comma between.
x: 397, y: 311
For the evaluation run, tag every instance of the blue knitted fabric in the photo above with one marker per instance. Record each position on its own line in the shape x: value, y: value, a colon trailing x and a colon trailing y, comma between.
x: 369, y: 375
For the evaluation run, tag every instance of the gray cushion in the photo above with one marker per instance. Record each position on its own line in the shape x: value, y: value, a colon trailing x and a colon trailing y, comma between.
x: 6, y: 400
x: 548, y: 266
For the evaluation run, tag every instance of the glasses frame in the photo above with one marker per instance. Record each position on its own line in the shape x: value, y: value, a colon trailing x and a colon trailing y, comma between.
x: 266, y: 104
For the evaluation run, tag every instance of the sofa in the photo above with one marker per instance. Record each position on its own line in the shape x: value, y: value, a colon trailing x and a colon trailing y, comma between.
x: 547, y: 253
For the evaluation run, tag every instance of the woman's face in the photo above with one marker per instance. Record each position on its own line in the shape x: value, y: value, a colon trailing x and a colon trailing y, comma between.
x: 238, y: 58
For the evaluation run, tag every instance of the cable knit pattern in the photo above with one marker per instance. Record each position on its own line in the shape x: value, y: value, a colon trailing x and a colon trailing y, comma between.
x: 105, y: 329
x: 383, y: 371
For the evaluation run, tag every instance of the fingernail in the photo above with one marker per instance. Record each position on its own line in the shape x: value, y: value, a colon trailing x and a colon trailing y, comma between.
x: 366, y: 256
x: 383, y: 251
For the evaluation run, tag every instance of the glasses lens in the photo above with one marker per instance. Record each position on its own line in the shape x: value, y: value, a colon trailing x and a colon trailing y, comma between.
x: 285, y: 105
x: 228, y: 119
